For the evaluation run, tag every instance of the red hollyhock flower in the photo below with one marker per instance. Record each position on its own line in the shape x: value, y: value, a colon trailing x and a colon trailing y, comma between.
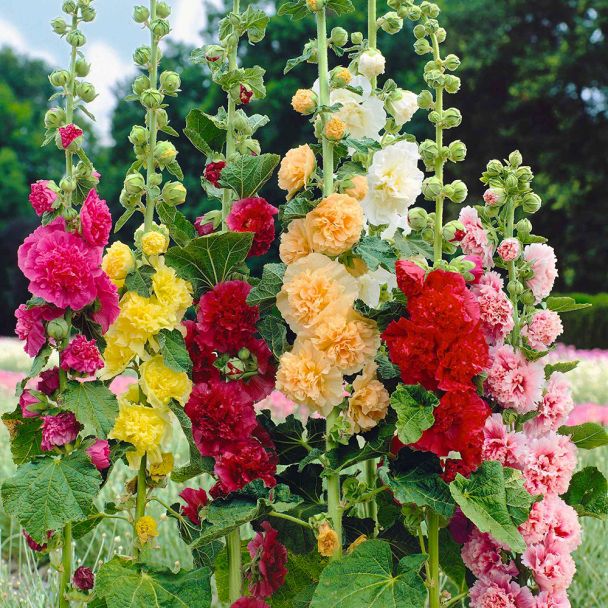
x: 267, y: 571
x: 254, y: 215
x: 249, y: 602
x: 69, y: 133
x: 261, y: 384
x: 48, y: 381
x: 245, y: 95
x: 32, y: 544
x: 202, y: 354
x: 225, y: 317
x: 203, y: 227
x: 410, y: 277
x: 83, y: 578
x: 194, y: 499
x: 213, y: 172
x: 222, y: 415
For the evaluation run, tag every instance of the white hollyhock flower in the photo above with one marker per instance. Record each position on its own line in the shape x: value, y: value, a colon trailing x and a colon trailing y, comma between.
x: 371, y: 63
x: 402, y: 105
x: 371, y: 284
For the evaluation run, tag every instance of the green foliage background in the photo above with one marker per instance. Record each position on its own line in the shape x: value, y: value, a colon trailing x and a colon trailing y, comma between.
x: 534, y: 77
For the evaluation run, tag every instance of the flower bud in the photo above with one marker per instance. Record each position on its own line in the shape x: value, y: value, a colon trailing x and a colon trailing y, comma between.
x: 163, y: 10
x: 88, y: 13
x: 244, y: 354
x: 428, y: 152
x: 142, y: 55
x: 356, y: 37
x: 59, y: 26
x: 459, y: 191
x: 151, y: 99
x: 371, y: 63
x: 315, y: 6
x: 422, y: 46
x: 528, y: 298
x: 531, y: 203
x: 402, y: 105
x: 494, y: 168
x: 391, y: 23
x: 59, y: 78
x: 428, y: 235
x: 155, y: 179
x: 451, y: 62
x: 82, y: 67
x: 134, y: 184
x: 511, y: 183
x: 160, y: 28
x: 69, y: 7
x: 57, y: 329
x: 174, y: 193
x: 140, y: 84
x: 251, y: 146
x: 76, y: 38
x: 515, y: 288
x: 494, y: 197
x: 140, y: 14
x: 515, y: 159
x: 340, y: 77
x: 54, y: 118
x: 431, y: 26
x: 419, y: 31
x: 162, y: 118
x: 414, y: 13
x: 457, y: 151
x: 215, y: 52
x: 68, y: 184
x: 429, y: 9
x: 431, y: 188
x: 335, y: 129
x: 451, y: 118
x: 164, y: 153
x: 170, y: 82
x: 441, y: 35
x: 523, y: 227
x: 452, y: 84
x: 338, y: 37
x: 524, y: 174
x: 138, y: 135
x: 86, y: 91
x: 425, y: 100
x: 417, y: 218
x: 311, y: 47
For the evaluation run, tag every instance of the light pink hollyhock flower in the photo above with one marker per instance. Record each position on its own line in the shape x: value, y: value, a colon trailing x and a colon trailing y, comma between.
x: 543, y: 329
x: 481, y: 554
x: 555, y: 406
x: 99, y: 453
x: 69, y: 133
x: 514, y: 381
x: 543, y: 262
x: 25, y: 401
x: 59, y: 430
x: 509, y: 250
x: 278, y: 404
x: 546, y: 599
x: 42, y: 197
x: 551, y: 564
x: 500, y: 444
x: 60, y: 266
x: 107, y: 295
x: 549, y: 463
x: 81, y: 355
x: 30, y: 325
x: 475, y: 240
x: 496, y: 310
x: 95, y: 220
x: 498, y: 591
x: 492, y: 197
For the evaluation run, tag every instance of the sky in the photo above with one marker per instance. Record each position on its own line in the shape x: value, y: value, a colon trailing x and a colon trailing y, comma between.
x: 111, y: 39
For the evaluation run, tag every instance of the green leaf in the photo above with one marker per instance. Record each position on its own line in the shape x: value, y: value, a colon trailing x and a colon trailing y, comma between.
x: 451, y: 561
x: 519, y: 500
x: 414, y: 406
x: 204, y: 134
x: 265, y: 292
x: 375, y: 252
x: 274, y: 332
x: 123, y: 584
x: 383, y: 314
x: 175, y: 170
x: 362, y: 145
x: 174, y: 352
x: 208, y: 260
x: 296, y: 208
x: 124, y: 218
x: 340, y: 7
x: 387, y: 370
x: 561, y: 366
x: 93, y: 404
x: 303, y: 571
x: 49, y: 492
x: 365, y: 579
x: 586, y: 436
x: 39, y: 362
x: 588, y: 493
x: 483, y: 499
x: 247, y: 174
x: 412, y: 245
x: 564, y: 304
x: 254, y: 22
x: 296, y: 61
x: 140, y: 280
x: 25, y: 435
x: 256, y: 121
x: 180, y: 228
x: 296, y: 10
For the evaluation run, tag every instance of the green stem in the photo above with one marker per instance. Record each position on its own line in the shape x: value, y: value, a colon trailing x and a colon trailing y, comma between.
x: 433, y: 547
x: 371, y: 478
x: 334, y: 509
x: 512, y: 270
x: 70, y: 93
x: 372, y: 30
x: 427, y: 568
x: 290, y: 518
x: 438, y: 240
x: 233, y: 547
x: 152, y: 127
x: 140, y: 501
x: 328, y: 150
x: 66, y: 566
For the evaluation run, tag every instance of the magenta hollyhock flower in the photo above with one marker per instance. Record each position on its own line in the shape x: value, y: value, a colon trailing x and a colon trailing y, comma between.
x: 203, y: 227
x: 255, y: 215
x: 42, y: 197
x: 83, y: 578
x: 95, y: 220
x: 58, y: 430
x: 107, y: 296
x: 30, y: 325
x: 81, y: 355
x: 99, y: 453
x: 48, y: 381
x: 267, y: 571
x: 477, y: 270
x: 32, y: 544
x: 249, y: 602
x: 195, y: 500
x: 25, y: 401
x: 69, y: 133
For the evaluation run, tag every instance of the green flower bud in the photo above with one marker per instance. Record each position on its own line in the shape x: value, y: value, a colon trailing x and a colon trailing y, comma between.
x: 68, y: 184
x: 391, y: 23
x: 451, y: 62
x: 142, y: 56
x: 151, y: 99
x: 457, y: 151
x: 441, y: 35
x: 174, y: 193
x: 428, y: 235
x: 126, y: 200
x: 417, y: 218
x: 76, y: 38
x: 431, y: 188
x: 138, y: 135
x: 523, y: 227
x: 403, y: 11
x: 494, y: 168
x: 524, y: 174
x: 425, y: 100
x: 434, y: 77
x: 415, y: 13
x: 59, y: 78
x: 82, y: 67
x: 452, y: 84
x: 160, y: 28
x: 431, y: 26
x: 134, y: 184
x: 314, y: 6
x: 312, y: 47
x: 531, y: 202
x: 356, y: 37
x: 422, y: 46
x: 453, y: 231
x: 338, y: 37
x: 88, y: 13
x: 164, y: 153
x: 528, y: 298
x: 241, y: 124
x: 526, y: 272
x: 515, y: 159
x: 214, y: 53
x: 140, y: 14
x: 156, y: 179
x: 430, y: 9
x: 54, y: 118
x: 82, y: 171
x: 244, y: 354
x: 511, y: 183
x: 57, y: 329
x: 515, y: 288
x: 170, y: 82
x: 451, y: 118
x: 456, y: 191
x: 162, y: 119
x: 419, y: 31
x: 428, y: 152
x: 251, y: 146
x: 163, y: 10
x: 69, y: 7
x: 140, y: 84
x: 59, y: 26
x: 86, y: 91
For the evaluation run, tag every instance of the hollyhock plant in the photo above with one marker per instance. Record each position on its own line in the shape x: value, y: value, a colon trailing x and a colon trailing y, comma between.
x: 267, y: 571
x: 42, y: 196
x: 83, y: 578
x: 195, y: 500
x: 99, y: 453
x: 95, y: 220
x: 81, y: 355
x: 58, y: 430
x: 482, y: 555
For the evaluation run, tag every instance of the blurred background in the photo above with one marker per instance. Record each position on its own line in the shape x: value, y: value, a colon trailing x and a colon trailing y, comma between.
x: 534, y: 77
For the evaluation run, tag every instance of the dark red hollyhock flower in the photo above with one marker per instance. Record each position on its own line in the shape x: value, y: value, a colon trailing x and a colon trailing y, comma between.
x: 48, y: 381
x: 222, y: 415
x: 202, y: 354
x: 225, y: 317
x: 255, y: 215
x: 203, y: 227
x: 69, y: 133
x: 213, y: 172
x: 453, y: 466
x: 267, y: 571
x: 194, y: 499
x: 83, y: 578
x: 261, y: 384
x: 32, y: 544
x: 410, y: 277
x: 245, y: 95
x: 458, y: 236
x: 249, y: 602
x: 460, y: 527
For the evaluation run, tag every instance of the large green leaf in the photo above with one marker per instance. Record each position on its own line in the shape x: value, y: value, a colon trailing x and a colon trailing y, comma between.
x: 274, y: 332
x: 265, y: 292
x: 564, y: 304
x: 123, y: 584
x: 483, y: 499
x: 203, y: 133
x: 180, y: 228
x: 375, y: 252
x: 519, y: 500
x: 414, y: 406
x: 94, y: 405
x: 586, y: 436
x: 588, y: 493
x: 173, y: 350
x: 208, y: 260
x: 247, y: 174
x: 365, y: 579
x: 139, y: 280
x: 302, y: 572
x: 49, y: 492
x: 450, y: 560
x: 25, y: 436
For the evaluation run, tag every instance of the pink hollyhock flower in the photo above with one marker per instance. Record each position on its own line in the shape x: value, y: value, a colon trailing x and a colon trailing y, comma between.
x: 42, y: 197
x: 546, y: 599
x: 249, y: 602
x: 81, y: 355
x: 60, y: 266
x: 48, y: 381
x: 213, y: 172
x: 496, y: 310
x: 83, y: 578
x: 475, y: 241
x: 477, y: 270
x: 514, y: 381
x: 254, y: 215
x: 492, y: 197
x: 410, y: 277
x: 551, y: 564
x: 58, y: 430
x: 25, y: 400
x: 195, y: 500
x: 482, y: 555
x: 543, y: 262
x: 267, y: 571
x: 203, y: 227
x: 95, y: 220
x: 555, y: 406
x: 509, y: 250
x: 69, y: 133
x: 543, y: 329
x: 279, y: 405
x: 99, y: 453
x: 500, y: 444
x: 30, y: 325
x: 498, y: 591
x: 107, y: 296
x: 548, y: 464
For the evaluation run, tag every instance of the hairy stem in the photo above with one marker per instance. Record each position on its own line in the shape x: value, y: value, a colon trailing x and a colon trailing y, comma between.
x: 235, y: 582
x: 433, y: 548
x: 66, y: 566
x: 328, y: 151
x: 334, y: 509
x: 438, y: 240
x: 140, y: 501
x: 512, y: 270
x: 70, y: 93
x: 371, y: 478
x: 372, y: 30
x: 290, y: 518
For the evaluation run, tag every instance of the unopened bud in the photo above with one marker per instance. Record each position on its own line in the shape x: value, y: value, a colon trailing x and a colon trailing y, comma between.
x: 338, y: 37
x: 441, y: 35
x: 162, y: 118
x: 431, y: 188
x: 151, y: 98
x: 244, y: 354
x: 452, y: 84
x: 356, y: 37
x: 86, y: 91
x: 417, y: 218
x: 523, y: 227
x: 494, y: 197
x: 138, y: 135
x: 414, y: 13
x: 451, y: 62
x: 428, y: 152
x: 457, y: 191
x: 170, y: 82
x: 142, y: 56
x: 515, y: 159
x: 54, y: 118
x: 59, y: 26
x: 163, y: 10
x: 76, y: 38
x: 391, y: 23
x: 457, y: 151
x: 68, y: 184
x: 134, y: 184
x: 340, y: 77
x: 422, y: 46
x: 251, y: 146
x: 419, y: 31
x: 515, y: 288
x: 174, y: 193
x: 59, y: 78
x: 57, y: 329
x: 140, y: 84
x: 428, y: 235
x: 531, y: 202
x: 314, y: 6
x: 82, y: 67
x: 69, y: 7
x: 88, y: 13
x: 160, y: 28
x: 425, y: 100
x: 451, y: 118
x: 164, y: 153
x: 140, y: 14
x: 453, y: 231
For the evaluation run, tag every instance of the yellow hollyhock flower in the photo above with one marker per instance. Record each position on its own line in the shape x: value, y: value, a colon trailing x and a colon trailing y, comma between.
x: 295, y: 243
x: 118, y: 262
x: 327, y: 540
x: 146, y: 529
x: 160, y: 383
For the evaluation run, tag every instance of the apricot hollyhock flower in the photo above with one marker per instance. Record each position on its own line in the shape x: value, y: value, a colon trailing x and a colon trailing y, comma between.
x: 296, y: 168
x: 118, y: 262
x: 304, y: 101
x: 369, y: 401
x: 358, y: 188
x: 327, y: 540
x: 161, y: 384
x: 314, y: 286
x: 295, y: 243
